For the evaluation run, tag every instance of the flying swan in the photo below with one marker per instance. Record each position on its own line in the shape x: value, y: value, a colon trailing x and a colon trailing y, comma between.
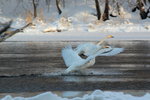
x: 74, y: 62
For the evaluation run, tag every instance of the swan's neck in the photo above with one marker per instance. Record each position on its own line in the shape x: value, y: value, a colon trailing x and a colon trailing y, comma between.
x: 101, y: 41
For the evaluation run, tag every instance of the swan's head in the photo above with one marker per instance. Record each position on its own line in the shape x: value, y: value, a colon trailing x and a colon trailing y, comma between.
x: 110, y: 36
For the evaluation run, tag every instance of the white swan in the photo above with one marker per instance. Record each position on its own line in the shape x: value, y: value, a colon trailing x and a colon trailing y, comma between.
x: 74, y: 62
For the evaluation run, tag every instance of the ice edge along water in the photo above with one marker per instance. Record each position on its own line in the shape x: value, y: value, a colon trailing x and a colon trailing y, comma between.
x: 78, y: 36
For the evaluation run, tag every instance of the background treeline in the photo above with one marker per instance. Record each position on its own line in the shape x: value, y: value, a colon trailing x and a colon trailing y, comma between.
x: 102, y: 9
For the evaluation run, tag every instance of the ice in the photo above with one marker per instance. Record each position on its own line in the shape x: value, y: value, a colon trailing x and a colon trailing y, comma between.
x: 95, y: 95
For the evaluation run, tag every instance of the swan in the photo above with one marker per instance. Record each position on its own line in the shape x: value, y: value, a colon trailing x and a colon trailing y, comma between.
x: 74, y: 62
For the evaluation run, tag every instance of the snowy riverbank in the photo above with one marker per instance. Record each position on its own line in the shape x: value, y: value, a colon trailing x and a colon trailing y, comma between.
x: 76, y: 36
x: 78, y: 21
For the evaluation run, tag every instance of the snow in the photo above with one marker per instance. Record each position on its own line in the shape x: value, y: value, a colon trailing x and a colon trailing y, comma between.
x: 95, y: 95
x: 34, y: 35
x: 72, y: 28
x: 77, y: 16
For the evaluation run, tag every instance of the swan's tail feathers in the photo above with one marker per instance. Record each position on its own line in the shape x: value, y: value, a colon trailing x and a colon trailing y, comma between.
x: 113, y: 52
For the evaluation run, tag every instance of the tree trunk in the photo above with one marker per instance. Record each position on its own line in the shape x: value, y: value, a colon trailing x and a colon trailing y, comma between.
x: 98, y: 9
x: 143, y: 13
x: 57, y: 4
x: 11, y: 31
x: 106, y: 11
x: 5, y: 26
x: 118, y: 9
x: 34, y: 2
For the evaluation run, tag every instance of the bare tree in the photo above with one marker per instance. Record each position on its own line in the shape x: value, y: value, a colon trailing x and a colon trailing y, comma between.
x: 57, y: 5
x: 4, y: 26
x: 98, y: 9
x: 143, y: 13
x: 118, y: 9
x: 140, y: 7
x: 35, y: 3
x: 106, y: 11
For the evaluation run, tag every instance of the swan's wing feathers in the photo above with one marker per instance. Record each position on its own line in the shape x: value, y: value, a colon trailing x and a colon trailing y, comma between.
x: 113, y: 52
x: 82, y: 47
x: 70, y: 56
x: 87, y: 48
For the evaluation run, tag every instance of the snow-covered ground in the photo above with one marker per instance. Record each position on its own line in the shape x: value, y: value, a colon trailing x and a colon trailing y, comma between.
x: 121, y: 31
x: 77, y: 21
x: 95, y: 95
x: 77, y: 35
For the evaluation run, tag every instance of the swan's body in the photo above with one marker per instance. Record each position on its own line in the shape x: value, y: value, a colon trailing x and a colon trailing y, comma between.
x: 74, y: 62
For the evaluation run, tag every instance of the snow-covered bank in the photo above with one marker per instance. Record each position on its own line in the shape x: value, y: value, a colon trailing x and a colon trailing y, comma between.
x: 96, y: 95
x: 75, y: 36
x: 126, y: 31
x: 77, y: 15
x: 69, y: 25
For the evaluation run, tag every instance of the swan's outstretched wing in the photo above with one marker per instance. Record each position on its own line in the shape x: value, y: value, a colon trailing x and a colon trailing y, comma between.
x: 84, y: 47
x: 70, y: 56
x: 87, y: 49
x: 112, y: 52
